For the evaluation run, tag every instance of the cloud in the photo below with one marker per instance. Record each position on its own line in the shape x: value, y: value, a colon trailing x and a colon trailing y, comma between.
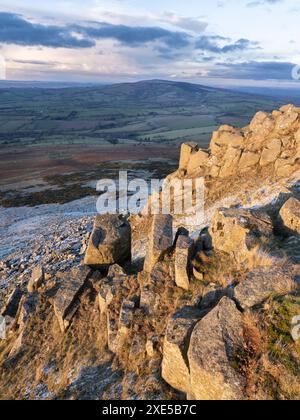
x: 14, y: 29
x: 263, y: 2
x: 138, y: 35
x: 190, y: 24
x: 254, y: 70
x: 221, y: 45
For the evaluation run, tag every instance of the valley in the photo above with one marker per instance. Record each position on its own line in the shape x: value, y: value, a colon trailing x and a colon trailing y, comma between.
x: 87, y: 131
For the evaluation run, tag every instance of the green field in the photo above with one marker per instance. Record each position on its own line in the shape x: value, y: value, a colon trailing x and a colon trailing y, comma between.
x: 153, y: 111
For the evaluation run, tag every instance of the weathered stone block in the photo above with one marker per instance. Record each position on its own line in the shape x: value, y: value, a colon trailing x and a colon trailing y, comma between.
x: 290, y: 215
x: 183, y: 253
x: 261, y: 284
x: 186, y: 150
x: 160, y: 240
x: 110, y: 241
x: 214, y: 346
x: 175, y: 368
x: 238, y: 231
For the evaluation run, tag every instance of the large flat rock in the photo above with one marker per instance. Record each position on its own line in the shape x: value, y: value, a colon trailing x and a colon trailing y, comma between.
x: 215, y: 342
x: 64, y: 302
x: 262, y: 283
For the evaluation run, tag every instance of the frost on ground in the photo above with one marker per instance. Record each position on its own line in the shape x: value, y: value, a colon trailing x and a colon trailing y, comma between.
x: 53, y: 236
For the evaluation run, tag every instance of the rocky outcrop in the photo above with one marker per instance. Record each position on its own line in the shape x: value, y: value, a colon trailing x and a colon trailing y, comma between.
x: 189, y: 322
x: 238, y: 231
x: 290, y: 215
x: 215, y: 343
x: 270, y: 140
x: 160, y: 240
x: 110, y: 241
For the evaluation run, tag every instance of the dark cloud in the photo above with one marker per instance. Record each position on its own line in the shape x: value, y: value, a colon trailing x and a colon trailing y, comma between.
x: 138, y: 35
x: 14, y: 29
x: 254, y: 70
x: 217, y: 45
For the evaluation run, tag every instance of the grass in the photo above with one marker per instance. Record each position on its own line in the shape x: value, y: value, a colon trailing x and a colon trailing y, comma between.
x: 270, y: 359
x: 279, y: 333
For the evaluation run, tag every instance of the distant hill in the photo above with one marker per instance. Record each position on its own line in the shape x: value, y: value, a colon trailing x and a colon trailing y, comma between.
x: 152, y: 111
x: 168, y: 93
x: 149, y: 92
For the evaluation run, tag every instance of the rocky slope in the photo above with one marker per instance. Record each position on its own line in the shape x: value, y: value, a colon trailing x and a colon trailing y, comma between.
x: 212, y: 311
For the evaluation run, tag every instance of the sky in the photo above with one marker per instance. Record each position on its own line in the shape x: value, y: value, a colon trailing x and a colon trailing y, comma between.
x: 220, y: 42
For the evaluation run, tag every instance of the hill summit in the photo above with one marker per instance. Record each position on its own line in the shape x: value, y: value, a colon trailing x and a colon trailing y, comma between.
x: 210, y: 310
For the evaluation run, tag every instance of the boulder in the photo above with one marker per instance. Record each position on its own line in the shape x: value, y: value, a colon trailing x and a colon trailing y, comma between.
x: 186, y: 150
x: 198, y: 160
x: 65, y: 301
x: 248, y: 160
x: 160, y: 240
x: 261, y: 284
x: 27, y: 308
x: 175, y: 368
x: 286, y: 121
x: 231, y: 162
x: 289, y: 108
x: 238, y: 231
x: 214, y: 346
x: 290, y: 215
x: 262, y: 124
x: 271, y: 152
x: 37, y: 279
x: 110, y: 241
x: 10, y: 308
x: 183, y: 253
x: 224, y: 137
x: 286, y: 167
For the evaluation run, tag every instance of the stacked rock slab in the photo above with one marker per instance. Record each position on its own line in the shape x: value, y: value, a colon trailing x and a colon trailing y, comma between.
x: 110, y: 241
x: 65, y: 301
x: 271, y: 140
x: 160, y: 240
